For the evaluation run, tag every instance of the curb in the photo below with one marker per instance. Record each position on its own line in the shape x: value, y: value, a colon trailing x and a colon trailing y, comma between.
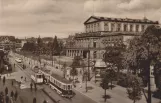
x: 49, y: 96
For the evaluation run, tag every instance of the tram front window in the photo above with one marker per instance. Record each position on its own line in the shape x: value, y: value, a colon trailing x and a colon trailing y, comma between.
x: 68, y: 87
x: 39, y: 76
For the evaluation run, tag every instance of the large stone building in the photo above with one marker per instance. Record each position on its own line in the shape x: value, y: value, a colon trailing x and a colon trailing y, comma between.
x: 101, y: 32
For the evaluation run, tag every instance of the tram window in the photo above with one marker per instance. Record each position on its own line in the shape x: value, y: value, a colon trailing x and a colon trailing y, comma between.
x: 38, y: 76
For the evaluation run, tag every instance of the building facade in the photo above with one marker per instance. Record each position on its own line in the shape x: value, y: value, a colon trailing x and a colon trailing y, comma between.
x: 101, y: 32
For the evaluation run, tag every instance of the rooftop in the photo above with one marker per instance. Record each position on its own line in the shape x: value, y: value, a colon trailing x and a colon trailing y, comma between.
x: 45, y: 70
x: 60, y: 78
x: 144, y: 20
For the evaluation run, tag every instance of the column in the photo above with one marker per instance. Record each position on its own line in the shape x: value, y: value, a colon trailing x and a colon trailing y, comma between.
x: 122, y: 26
x: 109, y: 26
x: 128, y: 27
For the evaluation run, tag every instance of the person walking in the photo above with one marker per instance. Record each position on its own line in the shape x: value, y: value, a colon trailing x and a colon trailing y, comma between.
x: 35, y: 87
x: 25, y: 79
x: 7, y: 99
x: 14, y: 65
x: 16, y: 95
x: 6, y: 90
x: 4, y: 80
x: 12, y: 94
x: 31, y: 86
x: 12, y: 82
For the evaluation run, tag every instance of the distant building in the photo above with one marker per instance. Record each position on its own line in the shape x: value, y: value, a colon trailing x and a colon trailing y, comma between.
x: 101, y: 32
x: 9, y: 42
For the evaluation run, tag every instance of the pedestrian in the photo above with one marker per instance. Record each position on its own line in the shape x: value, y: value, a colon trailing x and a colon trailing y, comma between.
x: 25, y: 79
x: 12, y: 94
x: 14, y: 65
x: 35, y: 87
x: 15, y: 95
x: 6, y: 90
x: 31, y: 86
x: 4, y: 80
x: 7, y: 99
x: 12, y: 82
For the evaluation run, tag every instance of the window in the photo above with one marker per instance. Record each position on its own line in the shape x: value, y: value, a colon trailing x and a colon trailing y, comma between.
x: 143, y: 27
x: 106, y: 26
x: 137, y: 28
x: 112, y: 26
x: 94, y: 44
x: 125, y: 27
x: 131, y: 27
x: 118, y: 27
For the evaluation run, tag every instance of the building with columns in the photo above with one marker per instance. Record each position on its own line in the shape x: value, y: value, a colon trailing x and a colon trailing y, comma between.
x: 101, y: 32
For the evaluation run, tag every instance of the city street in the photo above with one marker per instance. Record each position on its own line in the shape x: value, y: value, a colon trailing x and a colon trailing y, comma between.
x: 94, y: 95
x: 78, y: 98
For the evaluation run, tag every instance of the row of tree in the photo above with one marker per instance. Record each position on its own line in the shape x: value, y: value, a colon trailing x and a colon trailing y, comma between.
x: 40, y: 47
x: 141, y: 53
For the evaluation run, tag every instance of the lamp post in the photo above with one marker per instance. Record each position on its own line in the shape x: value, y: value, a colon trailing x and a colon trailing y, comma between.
x: 149, y: 87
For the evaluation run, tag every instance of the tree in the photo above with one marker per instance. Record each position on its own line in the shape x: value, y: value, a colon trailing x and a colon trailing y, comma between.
x: 143, y: 52
x: 64, y: 69
x: 134, y: 88
x: 73, y: 72
x: 55, y: 47
x: 39, y: 47
x: 105, y: 83
x: 114, y: 56
x: 111, y: 76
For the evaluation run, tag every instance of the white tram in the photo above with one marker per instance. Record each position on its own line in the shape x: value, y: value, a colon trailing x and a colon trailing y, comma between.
x: 45, y: 75
x: 37, y: 78
x: 61, y: 86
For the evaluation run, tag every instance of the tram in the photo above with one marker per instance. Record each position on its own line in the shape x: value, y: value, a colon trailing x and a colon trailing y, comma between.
x: 37, y: 78
x: 45, y: 74
x: 62, y: 86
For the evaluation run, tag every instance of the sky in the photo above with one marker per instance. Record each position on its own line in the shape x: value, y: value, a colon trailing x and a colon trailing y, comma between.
x: 47, y: 18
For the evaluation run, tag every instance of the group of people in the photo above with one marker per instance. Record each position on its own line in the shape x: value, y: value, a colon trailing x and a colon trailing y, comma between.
x: 5, y: 97
x: 31, y: 87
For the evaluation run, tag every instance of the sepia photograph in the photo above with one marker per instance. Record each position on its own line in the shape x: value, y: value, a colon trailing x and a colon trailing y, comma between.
x: 80, y: 51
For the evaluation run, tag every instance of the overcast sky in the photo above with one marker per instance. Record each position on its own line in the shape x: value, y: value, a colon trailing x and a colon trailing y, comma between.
x: 26, y: 18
